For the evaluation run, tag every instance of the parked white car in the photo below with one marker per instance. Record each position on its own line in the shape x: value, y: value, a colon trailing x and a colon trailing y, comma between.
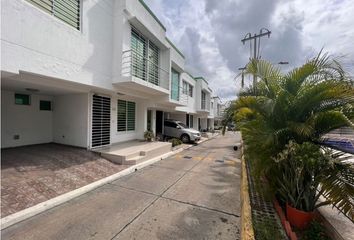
x: 177, y: 129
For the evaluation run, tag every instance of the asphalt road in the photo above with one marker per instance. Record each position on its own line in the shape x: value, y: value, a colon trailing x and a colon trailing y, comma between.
x: 191, y: 195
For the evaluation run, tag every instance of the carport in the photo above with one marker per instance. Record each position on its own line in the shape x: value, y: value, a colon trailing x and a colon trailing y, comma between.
x: 44, y: 140
x: 36, y: 110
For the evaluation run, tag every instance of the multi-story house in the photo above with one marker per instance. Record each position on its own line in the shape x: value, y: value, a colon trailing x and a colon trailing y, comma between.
x: 92, y: 73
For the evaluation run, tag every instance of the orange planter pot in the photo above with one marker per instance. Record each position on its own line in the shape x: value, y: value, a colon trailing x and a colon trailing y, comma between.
x: 297, y: 218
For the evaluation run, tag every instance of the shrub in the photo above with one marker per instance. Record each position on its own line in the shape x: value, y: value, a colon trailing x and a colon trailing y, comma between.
x: 148, y: 135
x: 315, y: 232
x: 175, y: 142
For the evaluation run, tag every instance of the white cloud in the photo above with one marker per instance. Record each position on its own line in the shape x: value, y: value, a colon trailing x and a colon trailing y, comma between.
x: 209, y: 33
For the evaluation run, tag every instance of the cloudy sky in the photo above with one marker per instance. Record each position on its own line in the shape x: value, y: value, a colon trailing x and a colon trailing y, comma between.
x: 209, y: 33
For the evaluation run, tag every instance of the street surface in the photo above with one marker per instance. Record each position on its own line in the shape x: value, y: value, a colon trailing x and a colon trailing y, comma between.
x: 194, y: 194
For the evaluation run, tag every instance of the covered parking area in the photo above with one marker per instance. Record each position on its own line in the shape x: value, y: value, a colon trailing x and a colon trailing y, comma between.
x: 44, y: 140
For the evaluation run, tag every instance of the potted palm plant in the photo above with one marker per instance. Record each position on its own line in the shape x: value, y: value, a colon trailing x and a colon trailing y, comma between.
x: 284, y: 119
x: 301, y: 168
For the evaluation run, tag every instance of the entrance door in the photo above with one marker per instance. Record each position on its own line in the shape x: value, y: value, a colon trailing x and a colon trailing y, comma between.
x: 159, y: 123
x: 187, y: 120
x: 199, y: 124
x: 101, y: 121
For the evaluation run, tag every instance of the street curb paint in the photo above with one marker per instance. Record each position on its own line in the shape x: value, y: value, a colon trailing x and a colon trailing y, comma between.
x: 247, y: 232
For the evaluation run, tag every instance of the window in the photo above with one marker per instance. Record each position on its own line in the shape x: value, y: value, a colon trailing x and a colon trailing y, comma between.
x: 22, y: 99
x: 67, y: 11
x: 174, y: 85
x: 125, y: 116
x: 190, y: 90
x: 212, y: 105
x: 145, y: 58
x: 203, y: 103
x: 45, y: 105
x: 184, y: 87
x: 170, y: 124
x: 187, y: 88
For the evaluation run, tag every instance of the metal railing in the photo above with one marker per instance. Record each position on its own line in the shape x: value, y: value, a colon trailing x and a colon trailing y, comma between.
x: 137, y: 65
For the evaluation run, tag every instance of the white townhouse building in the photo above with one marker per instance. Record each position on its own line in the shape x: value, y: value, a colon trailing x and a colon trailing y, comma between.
x: 92, y: 73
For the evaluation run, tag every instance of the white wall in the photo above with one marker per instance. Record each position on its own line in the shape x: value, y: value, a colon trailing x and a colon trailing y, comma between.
x: 70, y: 123
x: 37, y: 42
x: 32, y: 125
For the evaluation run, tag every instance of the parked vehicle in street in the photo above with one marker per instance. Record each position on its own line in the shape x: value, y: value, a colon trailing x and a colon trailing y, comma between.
x: 177, y: 129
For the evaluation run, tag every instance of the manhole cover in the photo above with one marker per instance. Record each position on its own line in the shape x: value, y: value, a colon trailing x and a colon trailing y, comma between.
x: 221, y: 161
x: 188, y: 157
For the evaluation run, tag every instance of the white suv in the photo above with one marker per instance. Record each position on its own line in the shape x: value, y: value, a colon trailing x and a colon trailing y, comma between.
x: 177, y: 129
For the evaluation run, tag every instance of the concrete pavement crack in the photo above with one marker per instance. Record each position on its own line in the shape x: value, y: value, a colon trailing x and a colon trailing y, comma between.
x: 157, y: 197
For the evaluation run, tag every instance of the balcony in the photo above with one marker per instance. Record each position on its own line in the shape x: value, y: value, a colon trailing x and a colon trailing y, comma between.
x: 204, y: 107
x: 139, y: 74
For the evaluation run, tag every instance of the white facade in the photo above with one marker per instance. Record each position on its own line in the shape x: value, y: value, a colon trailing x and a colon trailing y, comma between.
x: 47, y: 59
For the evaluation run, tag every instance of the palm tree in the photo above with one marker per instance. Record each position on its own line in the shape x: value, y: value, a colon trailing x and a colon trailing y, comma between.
x: 302, y: 106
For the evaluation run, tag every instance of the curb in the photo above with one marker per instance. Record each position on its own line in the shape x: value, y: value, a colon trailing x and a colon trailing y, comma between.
x: 51, y: 203
x: 247, y: 232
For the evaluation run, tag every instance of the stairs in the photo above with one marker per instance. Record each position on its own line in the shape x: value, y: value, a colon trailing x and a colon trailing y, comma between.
x: 134, y: 152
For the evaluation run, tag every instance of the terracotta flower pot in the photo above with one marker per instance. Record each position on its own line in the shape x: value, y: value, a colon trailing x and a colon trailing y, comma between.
x: 297, y: 218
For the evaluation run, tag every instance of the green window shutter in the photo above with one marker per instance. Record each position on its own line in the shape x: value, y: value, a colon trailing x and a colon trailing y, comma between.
x: 22, y: 99
x: 153, y: 64
x: 122, y: 116
x: 66, y: 10
x: 130, y: 116
x: 138, y: 46
x: 45, y: 105
x: 45, y: 5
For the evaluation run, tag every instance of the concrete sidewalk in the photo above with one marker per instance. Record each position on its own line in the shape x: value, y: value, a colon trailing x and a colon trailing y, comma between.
x: 192, y: 195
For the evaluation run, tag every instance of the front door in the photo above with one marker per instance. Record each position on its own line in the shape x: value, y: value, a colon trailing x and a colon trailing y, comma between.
x: 101, y: 121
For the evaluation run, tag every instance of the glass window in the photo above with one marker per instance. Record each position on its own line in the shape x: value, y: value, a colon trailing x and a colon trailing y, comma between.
x: 22, y: 99
x: 203, y: 103
x: 45, y: 105
x: 125, y: 116
x: 174, y: 85
x: 191, y: 121
x: 185, y: 87
x: 138, y: 63
x: 190, y: 90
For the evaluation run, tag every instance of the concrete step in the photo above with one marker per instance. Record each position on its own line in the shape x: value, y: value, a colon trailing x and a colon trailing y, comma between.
x: 130, y: 154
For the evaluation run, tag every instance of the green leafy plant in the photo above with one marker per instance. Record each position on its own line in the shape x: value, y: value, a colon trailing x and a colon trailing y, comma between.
x: 175, y: 142
x: 315, y: 232
x: 148, y: 135
x: 267, y: 230
x: 300, y: 106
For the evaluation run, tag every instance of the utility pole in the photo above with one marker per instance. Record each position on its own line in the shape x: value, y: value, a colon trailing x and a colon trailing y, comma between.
x: 262, y: 33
